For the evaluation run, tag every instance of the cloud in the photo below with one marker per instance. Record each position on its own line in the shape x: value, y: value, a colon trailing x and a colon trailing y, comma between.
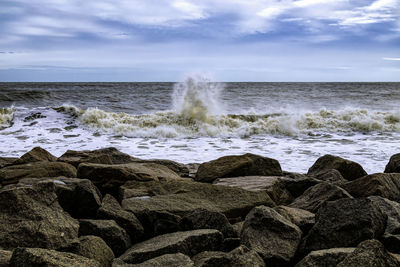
x: 392, y: 58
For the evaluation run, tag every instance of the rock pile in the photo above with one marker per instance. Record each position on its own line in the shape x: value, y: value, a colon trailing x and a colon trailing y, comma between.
x: 106, y: 208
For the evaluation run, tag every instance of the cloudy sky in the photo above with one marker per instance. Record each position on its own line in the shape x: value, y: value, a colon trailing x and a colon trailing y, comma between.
x: 232, y: 40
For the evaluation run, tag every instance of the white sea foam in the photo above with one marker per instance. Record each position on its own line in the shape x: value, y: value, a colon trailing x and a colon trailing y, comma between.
x: 6, y: 116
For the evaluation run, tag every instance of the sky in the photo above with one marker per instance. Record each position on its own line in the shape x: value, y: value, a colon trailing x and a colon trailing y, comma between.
x: 230, y: 40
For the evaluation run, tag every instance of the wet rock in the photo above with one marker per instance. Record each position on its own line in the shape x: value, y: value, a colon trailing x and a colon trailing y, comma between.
x: 193, y: 167
x: 354, y: 220
x: 302, y: 218
x: 393, y: 164
x: 43, y: 169
x: 158, y: 222
x: 331, y: 176
x: 350, y: 170
x: 188, y: 243
x: 110, y: 209
x: 38, y: 257
x: 369, y: 253
x: 392, y: 210
x: 34, y: 116
x: 32, y: 217
x: 115, y: 237
x: 170, y: 260
x: 211, y: 258
x: 325, y: 257
x: 109, y: 177
x: 179, y: 168
x: 271, y: 235
x: 36, y: 154
x: 181, y: 197
x: 6, y: 161
x: 5, y: 257
x: 234, y: 166
x: 93, y: 247
x: 386, y: 185
x: 315, y: 196
x: 205, y: 219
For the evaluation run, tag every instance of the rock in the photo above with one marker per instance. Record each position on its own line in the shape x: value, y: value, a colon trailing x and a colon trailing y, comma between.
x: 179, y: 168
x: 302, y: 218
x: 93, y: 247
x: 386, y: 185
x: 32, y: 217
x: 193, y: 167
x: 391, y: 242
x: 42, y: 169
x: 393, y: 164
x: 109, y: 177
x: 110, y: 209
x: 205, y: 219
x: 181, y: 197
x: 271, y: 235
x: 5, y: 257
x: 392, y: 210
x: 158, y: 222
x: 369, y: 253
x: 79, y: 197
x: 6, y: 161
x: 350, y: 170
x: 170, y: 260
x: 238, y: 227
x: 230, y: 243
x: 332, y: 176
x: 109, y: 155
x: 38, y: 257
x: 36, y: 154
x: 239, y: 257
x: 315, y: 196
x: 115, y: 237
x: 325, y: 257
x: 188, y: 243
x: 344, y: 223
x: 234, y: 166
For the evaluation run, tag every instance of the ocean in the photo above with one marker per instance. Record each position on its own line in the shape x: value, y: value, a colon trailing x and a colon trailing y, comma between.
x: 198, y: 120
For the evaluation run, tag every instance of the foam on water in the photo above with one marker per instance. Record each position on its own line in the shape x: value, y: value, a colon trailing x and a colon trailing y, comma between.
x: 6, y: 117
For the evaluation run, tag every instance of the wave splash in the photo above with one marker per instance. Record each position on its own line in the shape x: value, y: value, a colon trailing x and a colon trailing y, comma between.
x: 6, y: 117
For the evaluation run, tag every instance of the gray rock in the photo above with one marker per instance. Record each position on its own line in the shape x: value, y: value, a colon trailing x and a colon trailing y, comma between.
x: 302, y: 218
x: 234, y: 166
x: 170, y: 260
x: 36, y: 154
x: 110, y: 209
x: 350, y: 170
x: 393, y: 164
x: 369, y: 253
x: 115, y: 236
x: 344, y: 223
x: 331, y: 176
x: 392, y: 210
x: 271, y: 235
x: 188, y: 243
x: 6, y: 161
x: 38, y: 257
x: 31, y: 216
x: 93, y: 247
x: 158, y: 222
x: 315, y: 196
x: 5, y: 257
x: 325, y: 257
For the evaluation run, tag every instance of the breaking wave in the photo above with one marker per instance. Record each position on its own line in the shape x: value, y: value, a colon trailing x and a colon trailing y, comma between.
x: 197, y: 111
x: 6, y: 117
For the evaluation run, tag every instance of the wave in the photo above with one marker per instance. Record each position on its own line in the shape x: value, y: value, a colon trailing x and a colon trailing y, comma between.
x: 23, y: 95
x: 6, y: 117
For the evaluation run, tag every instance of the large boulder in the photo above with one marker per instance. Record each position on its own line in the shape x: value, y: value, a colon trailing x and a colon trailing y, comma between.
x: 179, y: 168
x: 181, y: 197
x: 108, y: 155
x: 6, y: 161
x: 325, y: 257
x: 110, y: 209
x: 302, y: 218
x: 386, y: 185
x: 39, y: 257
x: 115, y: 237
x: 109, y: 177
x: 79, y: 197
x: 344, y: 223
x: 93, y: 247
x: 271, y: 235
x: 170, y: 260
x: 239, y: 257
x: 158, y: 222
x: 233, y: 166
x: 392, y: 210
x: 31, y: 216
x: 369, y: 253
x: 315, y: 196
x: 188, y: 243
x: 5, y: 256
x: 36, y: 154
x: 41, y: 169
x: 205, y: 219
x: 350, y: 170
x: 332, y: 176
x: 393, y: 164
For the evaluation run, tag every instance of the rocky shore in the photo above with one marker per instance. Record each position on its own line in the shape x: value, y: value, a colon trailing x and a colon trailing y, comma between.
x: 106, y: 208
